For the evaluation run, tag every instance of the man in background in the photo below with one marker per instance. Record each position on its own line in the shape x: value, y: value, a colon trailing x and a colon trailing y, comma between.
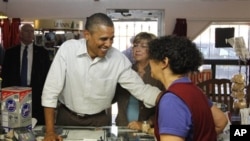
x: 128, y: 52
x: 1, y: 58
x: 38, y: 64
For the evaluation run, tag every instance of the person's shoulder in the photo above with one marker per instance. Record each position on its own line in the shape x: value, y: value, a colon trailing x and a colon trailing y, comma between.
x: 73, y: 43
x: 13, y: 49
x: 73, y: 47
x: 117, y: 57
x: 114, y: 49
x: 127, y: 50
x: 115, y: 53
x: 40, y: 48
x: 170, y: 97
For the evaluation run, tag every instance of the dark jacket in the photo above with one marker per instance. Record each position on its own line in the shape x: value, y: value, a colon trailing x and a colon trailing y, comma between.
x: 40, y: 67
x: 1, y: 58
x: 1, y: 54
x: 122, y: 99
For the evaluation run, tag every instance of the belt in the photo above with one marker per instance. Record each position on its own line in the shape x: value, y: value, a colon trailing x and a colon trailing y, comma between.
x: 81, y: 115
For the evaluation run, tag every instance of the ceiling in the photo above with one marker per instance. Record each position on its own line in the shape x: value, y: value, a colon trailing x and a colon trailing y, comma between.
x: 199, y: 13
x: 76, y: 8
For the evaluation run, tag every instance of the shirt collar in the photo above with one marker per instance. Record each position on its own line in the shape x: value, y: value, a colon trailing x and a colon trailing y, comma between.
x: 29, y: 45
x: 83, y: 50
x: 184, y: 79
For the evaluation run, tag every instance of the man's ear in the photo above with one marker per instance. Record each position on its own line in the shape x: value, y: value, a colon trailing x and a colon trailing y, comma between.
x: 86, y: 34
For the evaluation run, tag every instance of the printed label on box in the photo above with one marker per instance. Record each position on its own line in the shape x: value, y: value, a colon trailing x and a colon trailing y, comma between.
x: 16, y: 107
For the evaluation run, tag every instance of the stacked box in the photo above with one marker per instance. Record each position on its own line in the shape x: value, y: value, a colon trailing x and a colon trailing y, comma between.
x: 16, y: 107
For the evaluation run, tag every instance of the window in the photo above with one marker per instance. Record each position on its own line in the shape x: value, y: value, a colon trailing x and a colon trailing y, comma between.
x: 206, y: 43
x: 124, y: 31
x: 130, y: 22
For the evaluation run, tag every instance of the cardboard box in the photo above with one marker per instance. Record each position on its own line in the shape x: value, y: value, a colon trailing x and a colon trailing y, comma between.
x: 16, y: 107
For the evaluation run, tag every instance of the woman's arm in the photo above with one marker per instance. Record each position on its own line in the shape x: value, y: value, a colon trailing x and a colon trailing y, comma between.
x: 220, y: 119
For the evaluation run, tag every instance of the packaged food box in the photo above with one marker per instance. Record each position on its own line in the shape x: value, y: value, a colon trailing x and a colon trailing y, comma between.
x: 16, y: 107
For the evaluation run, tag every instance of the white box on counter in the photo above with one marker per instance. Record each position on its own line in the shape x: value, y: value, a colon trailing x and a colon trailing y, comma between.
x: 16, y: 107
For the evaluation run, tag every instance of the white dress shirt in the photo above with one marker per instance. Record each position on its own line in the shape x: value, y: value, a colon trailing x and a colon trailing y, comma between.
x: 87, y: 86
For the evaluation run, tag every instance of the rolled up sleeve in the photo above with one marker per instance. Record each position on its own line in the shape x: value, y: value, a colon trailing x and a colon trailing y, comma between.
x: 131, y: 81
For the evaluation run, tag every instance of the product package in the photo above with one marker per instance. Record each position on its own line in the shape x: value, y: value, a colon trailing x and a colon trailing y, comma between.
x: 16, y: 107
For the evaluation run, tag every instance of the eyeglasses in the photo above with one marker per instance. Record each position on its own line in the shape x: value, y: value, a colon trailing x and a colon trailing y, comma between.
x: 140, y: 45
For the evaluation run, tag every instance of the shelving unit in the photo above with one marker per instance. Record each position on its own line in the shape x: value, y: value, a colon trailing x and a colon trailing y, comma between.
x: 51, y: 33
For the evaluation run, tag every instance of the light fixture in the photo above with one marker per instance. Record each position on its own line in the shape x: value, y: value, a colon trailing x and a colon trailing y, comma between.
x: 3, y: 15
x: 123, y: 12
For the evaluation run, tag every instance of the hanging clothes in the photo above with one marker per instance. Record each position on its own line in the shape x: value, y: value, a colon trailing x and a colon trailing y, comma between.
x: 180, y: 27
x: 6, y: 33
x: 14, y: 29
x: 10, y: 32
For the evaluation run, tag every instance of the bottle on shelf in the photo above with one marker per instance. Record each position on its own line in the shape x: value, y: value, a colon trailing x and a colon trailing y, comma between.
x: 145, y: 126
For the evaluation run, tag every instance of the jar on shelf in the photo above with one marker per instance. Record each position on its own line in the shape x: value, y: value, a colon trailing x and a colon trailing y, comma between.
x: 145, y: 126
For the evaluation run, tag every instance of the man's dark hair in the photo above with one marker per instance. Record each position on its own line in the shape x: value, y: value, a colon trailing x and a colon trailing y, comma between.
x: 98, y: 19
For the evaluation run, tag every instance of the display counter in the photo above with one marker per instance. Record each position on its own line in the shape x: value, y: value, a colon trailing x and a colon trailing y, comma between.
x: 107, y: 133
x: 83, y: 133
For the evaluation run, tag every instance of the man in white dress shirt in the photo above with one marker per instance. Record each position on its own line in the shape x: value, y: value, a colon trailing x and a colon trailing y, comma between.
x: 83, y: 78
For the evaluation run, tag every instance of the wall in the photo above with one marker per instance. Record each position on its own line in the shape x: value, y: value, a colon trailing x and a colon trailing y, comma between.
x: 199, y: 13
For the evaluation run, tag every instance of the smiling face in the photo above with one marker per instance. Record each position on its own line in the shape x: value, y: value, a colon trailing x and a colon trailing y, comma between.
x: 99, y: 40
x: 140, y: 51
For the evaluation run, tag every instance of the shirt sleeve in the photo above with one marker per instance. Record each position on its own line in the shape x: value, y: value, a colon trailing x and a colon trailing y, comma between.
x: 131, y: 81
x: 55, y: 80
x: 174, y: 116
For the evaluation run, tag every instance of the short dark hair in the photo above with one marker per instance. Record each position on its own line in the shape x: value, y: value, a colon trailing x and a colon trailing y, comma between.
x: 182, y: 53
x: 98, y: 19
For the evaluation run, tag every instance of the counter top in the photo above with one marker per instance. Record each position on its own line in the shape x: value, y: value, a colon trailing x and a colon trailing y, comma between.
x: 107, y: 133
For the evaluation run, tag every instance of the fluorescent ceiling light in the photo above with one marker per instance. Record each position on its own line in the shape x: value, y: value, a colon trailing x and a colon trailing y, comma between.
x: 3, y: 15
